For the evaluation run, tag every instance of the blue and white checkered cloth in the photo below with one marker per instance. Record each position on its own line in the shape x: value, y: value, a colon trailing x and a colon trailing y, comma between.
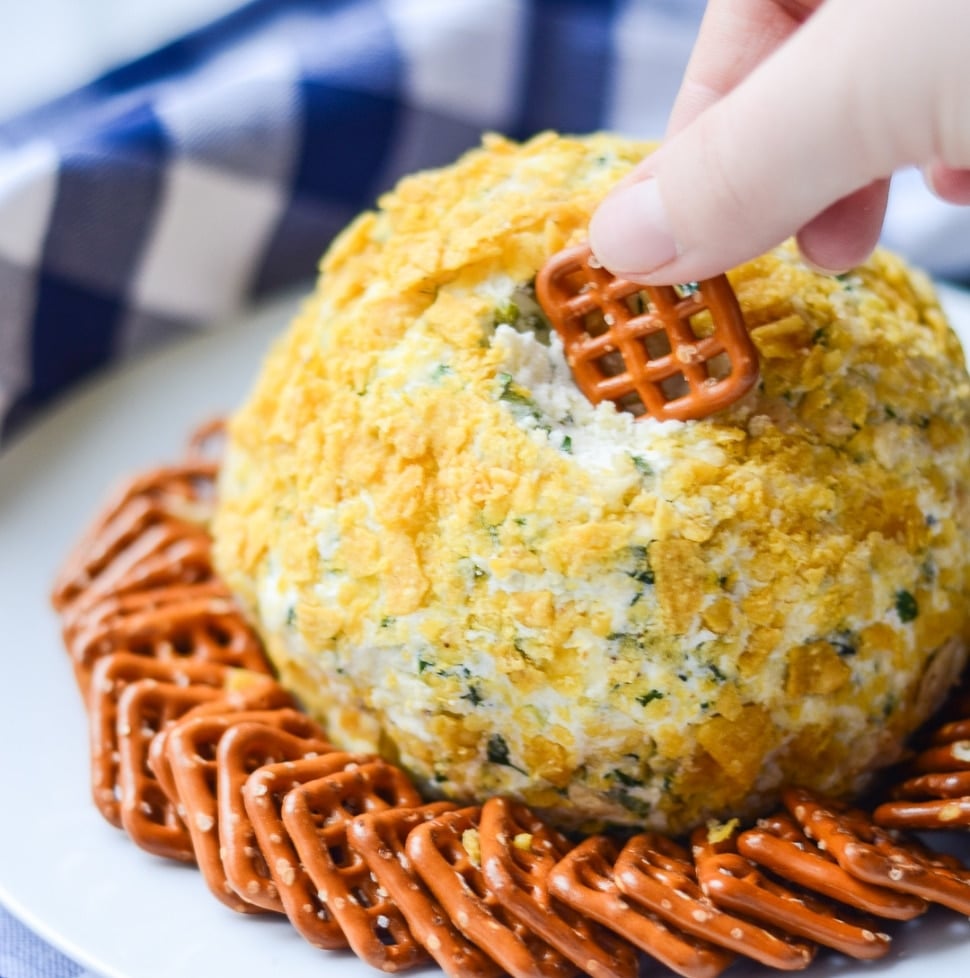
x: 170, y: 191
x: 164, y: 196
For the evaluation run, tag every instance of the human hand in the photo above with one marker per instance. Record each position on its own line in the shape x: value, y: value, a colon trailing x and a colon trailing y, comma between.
x: 792, y: 116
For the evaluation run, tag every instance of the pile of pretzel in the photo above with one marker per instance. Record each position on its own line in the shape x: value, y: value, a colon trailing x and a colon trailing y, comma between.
x: 199, y: 755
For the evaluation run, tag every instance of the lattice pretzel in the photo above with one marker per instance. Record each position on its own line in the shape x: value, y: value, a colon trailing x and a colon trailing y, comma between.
x: 584, y: 879
x: 439, y: 851
x: 778, y: 844
x: 670, y: 352
x: 655, y: 872
x: 877, y: 855
x: 263, y: 795
x: 317, y: 816
x: 735, y: 884
x: 519, y: 852
x: 380, y: 838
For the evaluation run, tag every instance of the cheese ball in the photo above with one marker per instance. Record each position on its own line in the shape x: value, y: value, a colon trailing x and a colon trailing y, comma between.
x: 459, y: 562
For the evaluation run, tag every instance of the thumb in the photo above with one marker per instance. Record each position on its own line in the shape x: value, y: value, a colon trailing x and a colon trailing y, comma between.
x: 807, y: 139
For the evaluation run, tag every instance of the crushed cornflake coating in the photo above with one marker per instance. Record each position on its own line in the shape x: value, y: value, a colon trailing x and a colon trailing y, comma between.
x: 458, y: 561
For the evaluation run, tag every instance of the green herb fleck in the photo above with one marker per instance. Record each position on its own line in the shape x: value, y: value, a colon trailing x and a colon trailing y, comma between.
x: 424, y: 664
x: 716, y: 673
x: 649, y: 697
x: 844, y: 644
x: 641, y: 465
x: 387, y: 621
x: 473, y: 696
x: 442, y: 370
x: 291, y: 617
x: 513, y: 393
x: 848, y: 280
x: 638, y: 806
x: 642, y: 571
x: 567, y: 444
x: 906, y: 606
x: 498, y: 750
x: 507, y: 315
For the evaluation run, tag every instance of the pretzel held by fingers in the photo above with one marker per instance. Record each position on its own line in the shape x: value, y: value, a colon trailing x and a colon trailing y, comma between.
x: 671, y: 352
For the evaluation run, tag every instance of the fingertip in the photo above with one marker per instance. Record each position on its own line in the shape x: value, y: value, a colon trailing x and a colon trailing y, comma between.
x: 845, y: 233
x: 630, y: 232
x: 951, y: 184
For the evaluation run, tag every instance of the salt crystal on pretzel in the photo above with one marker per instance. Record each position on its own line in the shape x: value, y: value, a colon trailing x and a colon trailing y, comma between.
x: 317, y: 816
x: 670, y: 352
x: 191, y: 748
x: 933, y: 813
x: 658, y: 874
x: 445, y: 852
x: 380, y: 838
x: 944, y: 784
x: 876, y: 855
x: 948, y: 750
x: 736, y: 884
x: 778, y: 844
x: 242, y: 750
x: 263, y: 795
x: 584, y: 880
x: 518, y: 853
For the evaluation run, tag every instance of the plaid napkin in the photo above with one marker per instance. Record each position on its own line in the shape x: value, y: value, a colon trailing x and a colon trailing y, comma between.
x: 169, y: 192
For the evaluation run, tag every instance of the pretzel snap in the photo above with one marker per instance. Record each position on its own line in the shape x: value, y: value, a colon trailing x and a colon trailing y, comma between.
x: 736, y: 884
x: 670, y: 352
x: 207, y: 441
x: 380, y: 838
x: 446, y: 853
x: 111, y: 676
x: 242, y: 750
x: 518, y: 852
x: 178, y: 499
x: 583, y: 879
x: 240, y: 695
x: 185, y: 624
x: 948, y: 750
x: 657, y: 873
x: 191, y: 748
x: 263, y: 794
x: 933, y: 813
x: 779, y: 845
x: 317, y: 815
x: 874, y: 854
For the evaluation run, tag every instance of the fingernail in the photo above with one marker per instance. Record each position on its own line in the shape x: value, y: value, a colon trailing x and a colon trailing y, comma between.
x: 630, y: 232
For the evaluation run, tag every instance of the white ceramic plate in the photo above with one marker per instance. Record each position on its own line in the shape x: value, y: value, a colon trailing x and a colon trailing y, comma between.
x: 64, y: 871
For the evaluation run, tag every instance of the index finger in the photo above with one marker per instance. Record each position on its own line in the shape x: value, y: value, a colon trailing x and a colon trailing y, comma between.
x: 734, y: 37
